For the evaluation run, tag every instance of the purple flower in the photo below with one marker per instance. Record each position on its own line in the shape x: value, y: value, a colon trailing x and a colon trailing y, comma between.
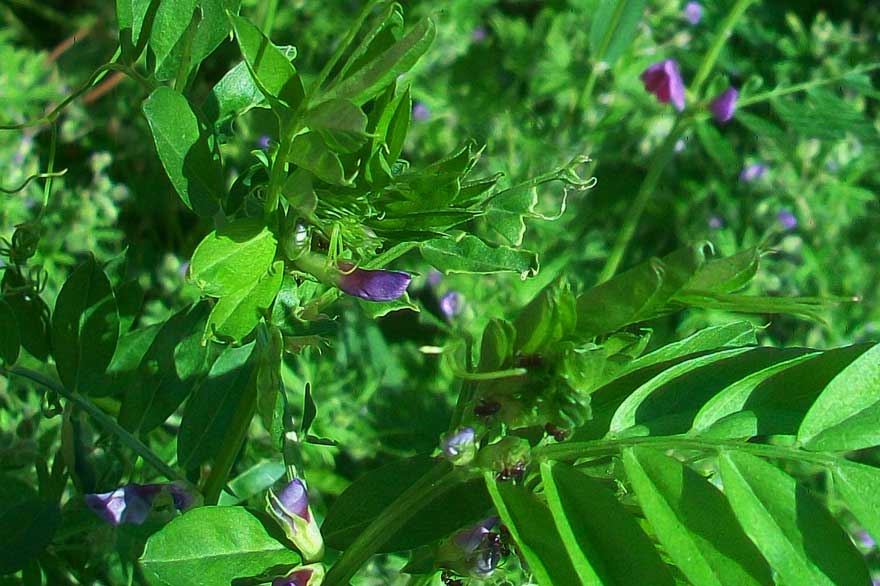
x: 787, y: 219
x: 752, y: 172
x: 132, y: 503
x: 290, y: 509
x: 664, y: 81
x: 865, y: 540
x: 434, y: 277
x: 475, y: 551
x: 379, y: 285
x: 724, y: 106
x: 460, y: 447
x: 264, y: 142
x: 479, y: 34
x: 715, y: 222
x: 693, y: 12
x: 450, y: 304
x: 420, y: 112
x: 311, y: 575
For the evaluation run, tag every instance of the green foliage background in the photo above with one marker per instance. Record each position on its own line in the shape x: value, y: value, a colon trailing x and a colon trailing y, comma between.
x: 511, y: 75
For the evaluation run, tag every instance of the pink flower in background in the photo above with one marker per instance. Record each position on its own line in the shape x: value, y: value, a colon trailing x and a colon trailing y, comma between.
x: 664, y: 81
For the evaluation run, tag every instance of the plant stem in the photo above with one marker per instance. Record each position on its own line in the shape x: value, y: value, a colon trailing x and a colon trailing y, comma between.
x: 434, y: 483
x: 800, y: 87
x: 598, y: 64
x: 103, y: 420
x: 727, y: 26
x: 269, y: 17
x: 664, y: 154
x: 575, y: 450
x: 232, y: 442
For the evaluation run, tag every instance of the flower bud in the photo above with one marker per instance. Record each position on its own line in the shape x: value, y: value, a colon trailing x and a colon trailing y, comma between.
x: 460, y: 447
x: 473, y: 552
x: 724, y: 106
x: 311, y: 575
x: 132, y: 503
x: 450, y: 304
x: 290, y: 508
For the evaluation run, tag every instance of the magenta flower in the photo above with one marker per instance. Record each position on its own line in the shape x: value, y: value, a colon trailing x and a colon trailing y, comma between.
x: 752, y: 172
x: 132, y: 503
x: 724, y: 106
x: 664, y: 81
x: 379, y: 285
x: 693, y: 12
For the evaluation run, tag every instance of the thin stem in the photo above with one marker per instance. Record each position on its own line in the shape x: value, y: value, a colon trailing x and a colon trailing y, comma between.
x: 598, y: 64
x: 26, y: 182
x: 437, y: 481
x: 269, y: 17
x: 50, y: 169
x: 800, y: 87
x: 575, y: 450
x: 664, y: 155
x: 102, y: 419
x: 718, y: 42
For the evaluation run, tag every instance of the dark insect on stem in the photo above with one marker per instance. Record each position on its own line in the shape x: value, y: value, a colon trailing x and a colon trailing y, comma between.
x: 514, y: 473
x: 487, y: 408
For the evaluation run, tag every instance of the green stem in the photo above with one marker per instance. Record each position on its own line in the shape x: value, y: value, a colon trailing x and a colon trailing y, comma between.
x: 233, y: 440
x: 664, y: 155
x: 50, y: 169
x: 269, y: 17
x: 576, y: 450
x: 718, y: 42
x: 103, y: 420
x: 434, y: 483
x: 800, y: 87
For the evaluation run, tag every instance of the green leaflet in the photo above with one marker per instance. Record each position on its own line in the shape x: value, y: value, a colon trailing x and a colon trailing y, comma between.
x: 183, y: 148
x: 214, y: 545
x: 531, y: 526
x: 232, y: 257
x: 236, y: 314
x: 603, y: 540
x: 85, y: 327
x: 10, y: 341
x: 793, y: 530
x: 694, y: 522
x: 471, y: 255
x: 844, y: 417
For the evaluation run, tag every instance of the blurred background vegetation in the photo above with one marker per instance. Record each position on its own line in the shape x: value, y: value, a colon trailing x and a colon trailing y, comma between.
x: 511, y: 75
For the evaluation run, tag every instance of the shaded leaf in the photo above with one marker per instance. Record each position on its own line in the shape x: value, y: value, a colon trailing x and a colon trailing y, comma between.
x: 9, y: 341
x: 614, y: 26
x: 471, y: 255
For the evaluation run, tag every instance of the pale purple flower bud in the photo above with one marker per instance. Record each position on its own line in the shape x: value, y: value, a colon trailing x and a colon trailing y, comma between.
x: 680, y: 145
x: 724, y: 106
x: 752, y: 172
x: 479, y: 34
x: 378, y: 285
x: 693, y: 12
x: 420, y: 112
x: 311, y: 575
x: 474, y: 552
x: 290, y: 508
x: 460, y: 447
x: 450, y: 304
x: 264, y: 142
x: 434, y: 277
x: 470, y: 539
x: 132, y: 503
x: 787, y: 219
x: 715, y: 222
x: 664, y: 81
x: 865, y: 540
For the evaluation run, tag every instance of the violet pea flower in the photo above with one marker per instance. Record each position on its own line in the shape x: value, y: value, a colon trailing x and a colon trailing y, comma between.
x: 693, y: 12
x: 132, y: 503
x: 473, y: 552
x: 311, y: 575
x: 373, y: 285
x: 663, y: 79
x: 290, y: 509
x: 752, y: 172
x: 460, y: 446
x: 420, y: 112
x: 787, y: 219
x: 450, y: 304
x: 724, y: 106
